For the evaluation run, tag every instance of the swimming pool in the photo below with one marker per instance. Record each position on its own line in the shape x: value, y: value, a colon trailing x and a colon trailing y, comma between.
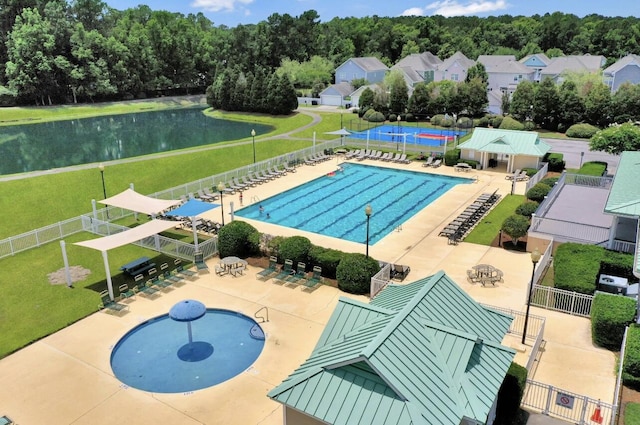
x: 156, y: 355
x: 414, y: 135
x: 333, y: 205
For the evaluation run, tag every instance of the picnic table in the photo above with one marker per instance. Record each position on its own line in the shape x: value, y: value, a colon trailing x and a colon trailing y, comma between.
x: 138, y: 266
x: 232, y: 265
x: 462, y: 166
x: 484, y: 274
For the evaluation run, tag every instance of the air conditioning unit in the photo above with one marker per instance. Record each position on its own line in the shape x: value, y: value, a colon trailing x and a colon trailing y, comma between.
x: 613, y: 284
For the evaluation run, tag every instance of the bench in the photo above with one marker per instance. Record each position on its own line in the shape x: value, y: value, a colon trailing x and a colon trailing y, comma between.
x: 462, y: 166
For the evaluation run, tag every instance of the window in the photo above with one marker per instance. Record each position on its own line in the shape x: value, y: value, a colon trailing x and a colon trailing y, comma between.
x: 454, y: 77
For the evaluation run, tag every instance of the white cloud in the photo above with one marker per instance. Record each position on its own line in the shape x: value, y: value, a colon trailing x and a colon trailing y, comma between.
x: 454, y: 8
x: 219, y: 5
x: 414, y: 11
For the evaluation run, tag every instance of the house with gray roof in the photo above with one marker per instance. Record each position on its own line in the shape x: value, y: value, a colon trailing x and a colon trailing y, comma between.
x: 512, y: 149
x: 421, y: 353
x: 454, y: 68
x: 625, y: 70
x: 336, y: 94
x: 418, y: 68
x: 369, y: 68
x: 505, y: 73
x: 574, y: 63
x: 537, y: 62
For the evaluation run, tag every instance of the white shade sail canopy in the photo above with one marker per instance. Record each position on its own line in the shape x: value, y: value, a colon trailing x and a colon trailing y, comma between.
x: 133, y: 201
x: 145, y: 230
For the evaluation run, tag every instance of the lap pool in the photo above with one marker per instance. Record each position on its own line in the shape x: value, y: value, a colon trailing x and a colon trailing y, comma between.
x: 333, y: 205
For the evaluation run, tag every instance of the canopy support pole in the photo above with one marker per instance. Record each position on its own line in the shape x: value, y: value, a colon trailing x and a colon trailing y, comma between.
x: 108, y: 273
x: 67, y: 273
x: 195, y: 233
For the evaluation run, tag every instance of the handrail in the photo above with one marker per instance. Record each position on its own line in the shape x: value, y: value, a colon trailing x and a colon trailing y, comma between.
x: 266, y: 310
x: 254, y: 198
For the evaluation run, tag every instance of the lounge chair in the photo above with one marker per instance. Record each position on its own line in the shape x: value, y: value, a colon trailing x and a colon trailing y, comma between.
x: 257, y: 178
x: 245, y: 180
x: 287, y: 270
x: 315, y: 279
x: 385, y: 157
x: 270, y: 271
x: 233, y: 186
x: 173, y: 277
x: 514, y: 175
x: 228, y: 188
x: 522, y: 177
x: 185, y: 272
x: 373, y: 154
x: 300, y: 274
x: 428, y: 162
x: 126, y: 292
x: 267, y: 175
x: 436, y: 163
x: 289, y: 169
x: 147, y: 288
x: 363, y: 154
x: 198, y: 259
x: 395, y: 158
x: 352, y: 154
x: 108, y: 304
x: 240, y: 186
x: 273, y: 173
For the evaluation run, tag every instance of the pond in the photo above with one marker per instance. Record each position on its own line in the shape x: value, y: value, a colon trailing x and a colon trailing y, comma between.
x: 56, y: 144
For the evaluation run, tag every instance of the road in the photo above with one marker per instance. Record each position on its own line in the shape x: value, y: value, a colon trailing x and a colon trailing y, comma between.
x: 572, y: 150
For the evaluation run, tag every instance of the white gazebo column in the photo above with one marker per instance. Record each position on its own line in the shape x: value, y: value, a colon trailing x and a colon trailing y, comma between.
x: 612, y: 232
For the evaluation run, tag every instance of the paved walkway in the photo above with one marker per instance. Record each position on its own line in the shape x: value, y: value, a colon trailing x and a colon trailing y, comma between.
x: 66, y: 378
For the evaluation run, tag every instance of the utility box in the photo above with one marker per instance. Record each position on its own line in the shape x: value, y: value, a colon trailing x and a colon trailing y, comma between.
x: 613, y: 284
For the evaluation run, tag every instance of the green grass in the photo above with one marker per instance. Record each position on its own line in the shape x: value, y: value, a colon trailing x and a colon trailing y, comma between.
x: 632, y: 414
x: 489, y: 227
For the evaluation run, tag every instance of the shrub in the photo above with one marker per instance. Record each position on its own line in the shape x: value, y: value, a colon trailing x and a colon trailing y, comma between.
x: 376, y: 117
x: 593, y: 168
x: 496, y: 121
x: 481, y: 122
x: 631, y: 369
x: 556, y: 161
x: 530, y: 171
x: 294, y: 248
x: 408, y: 117
x: 368, y: 112
x: 446, y: 122
x: 471, y: 162
x: 451, y: 157
x: 354, y: 273
x: 436, y: 119
x: 515, y: 226
x: 618, y: 264
x: 235, y: 239
x: 609, y: 316
x: 550, y: 181
x: 529, y: 125
x: 509, y: 123
x: 582, y: 131
x: 510, y: 395
x: 464, y: 122
x: 538, y: 192
x: 393, y: 118
x: 527, y: 208
x: 326, y: 258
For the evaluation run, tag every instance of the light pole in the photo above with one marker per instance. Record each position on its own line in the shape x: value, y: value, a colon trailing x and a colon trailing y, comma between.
x: 367, y: 211
x: 535, y: 257
x: 221, y: 188
x: 253, y: 137
x: 398, y: 137
x: 104, y: 188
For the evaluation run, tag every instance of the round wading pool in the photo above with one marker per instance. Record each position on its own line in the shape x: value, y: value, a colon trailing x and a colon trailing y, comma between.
x: 158, y: 356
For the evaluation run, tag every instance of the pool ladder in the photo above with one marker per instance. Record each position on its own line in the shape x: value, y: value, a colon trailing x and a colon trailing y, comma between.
x: 261, y: 317
x: 255, y: 199
x: 399, y: 228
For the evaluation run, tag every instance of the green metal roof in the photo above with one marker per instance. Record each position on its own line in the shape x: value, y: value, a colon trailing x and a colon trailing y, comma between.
x: 415, y: 355
x: 511, y: 142
x: 624, y: 196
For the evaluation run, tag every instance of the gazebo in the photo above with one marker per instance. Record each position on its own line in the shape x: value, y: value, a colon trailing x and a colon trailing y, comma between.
x: 515, y: 149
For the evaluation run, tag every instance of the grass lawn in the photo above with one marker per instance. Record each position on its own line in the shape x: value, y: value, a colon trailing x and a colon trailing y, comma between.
x: 632, y: 414
x: 489, y: 227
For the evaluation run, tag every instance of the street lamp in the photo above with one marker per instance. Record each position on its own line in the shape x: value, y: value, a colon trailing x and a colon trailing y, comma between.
x: 104, y: 188
x: 535, y: 257
x: 221, y: 188
x: 367, y: 211
x: 253, y: 136
x: 398, y: 139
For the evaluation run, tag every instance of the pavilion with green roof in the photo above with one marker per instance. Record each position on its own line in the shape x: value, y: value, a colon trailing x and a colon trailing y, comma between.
x: 624, y: 202
x: 515, y: 149
x: 420, y: 353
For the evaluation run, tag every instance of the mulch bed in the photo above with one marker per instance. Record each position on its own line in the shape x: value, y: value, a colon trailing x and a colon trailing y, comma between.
x: 508, y: 244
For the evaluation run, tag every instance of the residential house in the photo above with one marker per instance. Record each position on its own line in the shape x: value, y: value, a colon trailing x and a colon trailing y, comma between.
x: 625, y: 70
x: 575, y: 63
x: 336, y: 94
x: 504, y: 148
x: 369, y: 68
x: 537, y: 62
x: 355, y: 96
x: 505, y: 73
x: 454, y: 68
x: 421, y: 353
x: 418, y: 68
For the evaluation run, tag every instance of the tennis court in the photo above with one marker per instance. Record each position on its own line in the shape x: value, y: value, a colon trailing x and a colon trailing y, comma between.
x: 413, y: 135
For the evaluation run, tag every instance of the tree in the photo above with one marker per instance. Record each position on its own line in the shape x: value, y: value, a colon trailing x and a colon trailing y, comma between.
x: 625, y: 103
x: 616, y: 139
x: 522, y: 101
x: 419, y: 101
x: 545, y: 104
x: 597, y: 105
x: 366, y: 98
x: 478, y: 71
x: 515, y: 226
x: 571, y: 106
x: 473, y: 95
x: 398, y: 91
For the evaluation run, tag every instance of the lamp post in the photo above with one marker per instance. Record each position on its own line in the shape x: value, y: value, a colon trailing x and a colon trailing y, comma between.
x: 535, y: 257
x: 104, y: 188
x: 398, y: 138
x: 367, y: 212
x: 221, y: 188
x: 253, y: 137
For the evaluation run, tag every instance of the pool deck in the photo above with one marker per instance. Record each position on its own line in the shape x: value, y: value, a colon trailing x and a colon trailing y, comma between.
x: 66, y: 378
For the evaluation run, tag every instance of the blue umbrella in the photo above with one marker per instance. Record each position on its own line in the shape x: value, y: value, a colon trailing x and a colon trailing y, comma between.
x: 187, y: 311
x: 192, y: 208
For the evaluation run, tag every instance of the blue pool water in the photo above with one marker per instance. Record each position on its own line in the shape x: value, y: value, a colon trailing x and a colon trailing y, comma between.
x: 156, y: 356
x: 414, y: 135
x: 333, y: 205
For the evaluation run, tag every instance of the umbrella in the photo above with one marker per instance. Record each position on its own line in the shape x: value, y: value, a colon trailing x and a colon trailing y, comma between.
x: 342, y: 132
x: 191, y: 208
x: 187, y: 311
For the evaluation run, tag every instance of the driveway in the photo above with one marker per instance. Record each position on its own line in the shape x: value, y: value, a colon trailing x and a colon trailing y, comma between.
x: 573, y: 149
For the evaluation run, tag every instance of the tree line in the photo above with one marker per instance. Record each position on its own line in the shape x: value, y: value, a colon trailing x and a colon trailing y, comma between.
x: 83, y: 50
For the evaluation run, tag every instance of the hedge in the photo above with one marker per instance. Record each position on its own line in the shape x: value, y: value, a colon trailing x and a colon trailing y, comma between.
x: 538, y: 192
x: 593, y: 168
x: 496, y: 121
x: 354, y: 273
x: 550, y: 181
x: 631, y: 368
x: 509, y: 123
x: 452, y: 157
x: 295, y: 248
x: 326, y: 258
x: 510, y: 395
x: 609, y: 316
x: 527, y: 208
x: 576, y: 266
x: 582, y: 131
x: 556, y: 161
x: 239, y: 239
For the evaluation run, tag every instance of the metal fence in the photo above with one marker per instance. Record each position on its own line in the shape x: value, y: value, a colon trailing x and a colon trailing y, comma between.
x: 544, y: 206
x: 542, y: 172
x: 569, y: 231
x: 578, y: 409
x: 380, y: 280
x: 561, y: 300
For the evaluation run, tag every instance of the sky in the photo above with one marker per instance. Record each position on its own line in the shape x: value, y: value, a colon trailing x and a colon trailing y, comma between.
x: 234, y: 12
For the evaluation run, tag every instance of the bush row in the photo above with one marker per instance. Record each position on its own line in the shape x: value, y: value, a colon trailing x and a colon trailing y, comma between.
x: 631, y: 369
x: 610, y: 314
x: 510, y: 395
x: 352, y: 271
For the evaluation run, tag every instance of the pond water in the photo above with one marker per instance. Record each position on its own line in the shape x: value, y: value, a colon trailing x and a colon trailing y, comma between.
x: 44, y: 146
